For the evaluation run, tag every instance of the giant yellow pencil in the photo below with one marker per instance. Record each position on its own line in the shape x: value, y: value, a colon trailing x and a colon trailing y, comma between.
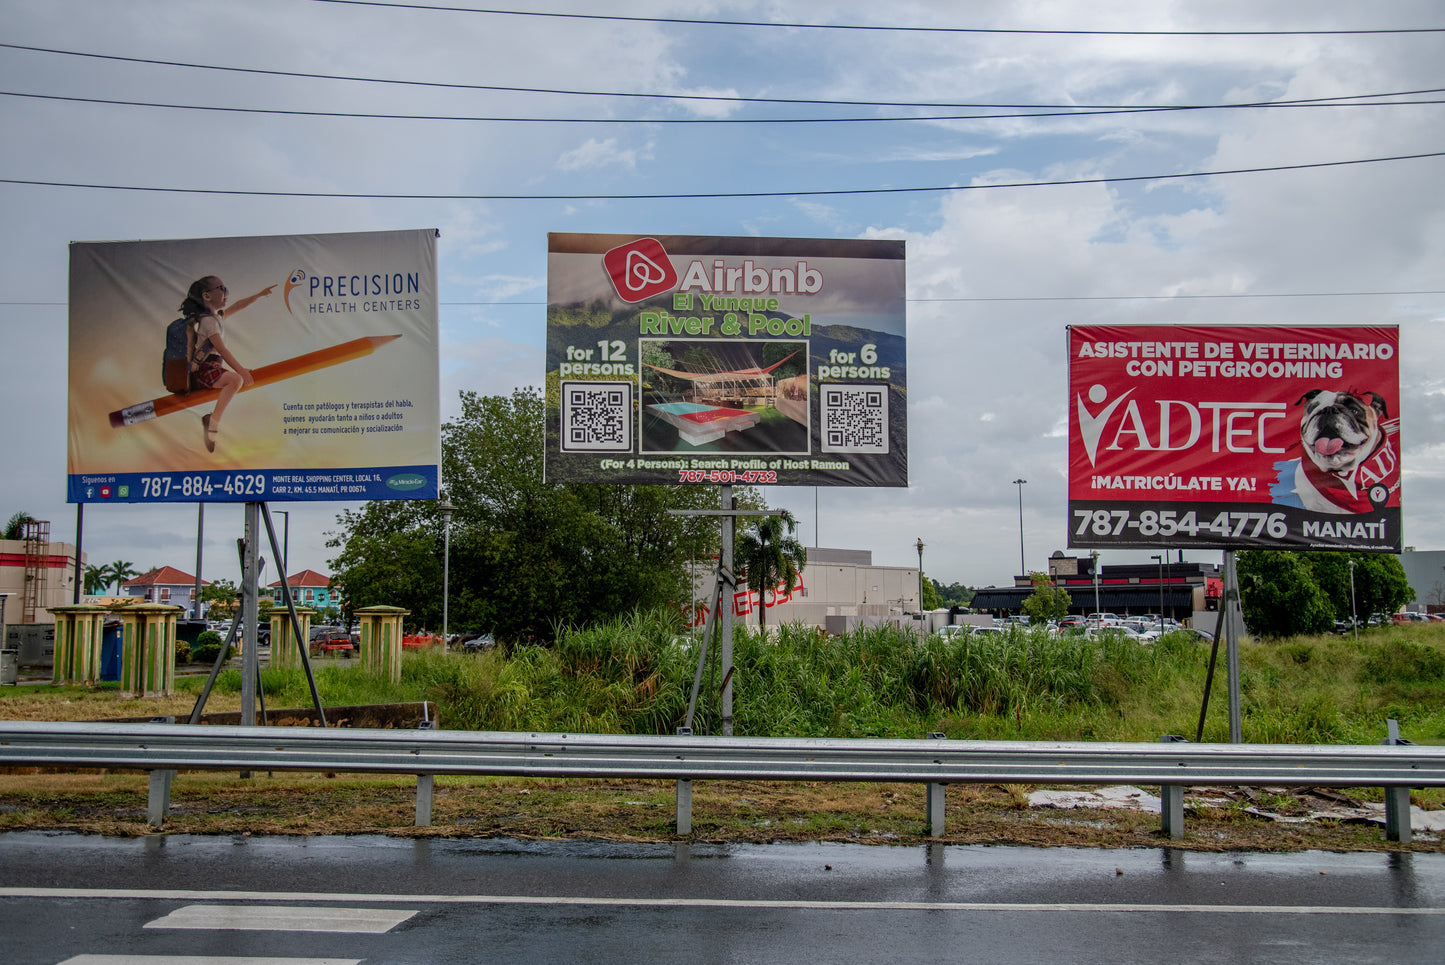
x: 264, y: 375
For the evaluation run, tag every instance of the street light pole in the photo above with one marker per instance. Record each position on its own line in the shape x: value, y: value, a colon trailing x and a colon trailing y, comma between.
x: 1020, y: 483
x: 446, y: 509
x: 1354, y: 619
x: 1160, y: 559
x: 920, y: 577
x: 1095, y: 555
x: 285, y: 545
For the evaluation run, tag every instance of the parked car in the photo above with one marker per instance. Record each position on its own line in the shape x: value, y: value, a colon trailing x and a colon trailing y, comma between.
x: 332, y: 640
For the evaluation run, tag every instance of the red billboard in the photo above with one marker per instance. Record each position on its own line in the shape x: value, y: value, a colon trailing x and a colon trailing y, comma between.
x: 1244, y: 437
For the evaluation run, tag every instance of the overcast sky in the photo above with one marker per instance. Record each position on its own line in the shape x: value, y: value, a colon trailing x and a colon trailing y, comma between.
x: 995, y: 271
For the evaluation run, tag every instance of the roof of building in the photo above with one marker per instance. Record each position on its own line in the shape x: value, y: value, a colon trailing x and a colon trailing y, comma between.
x: 165, y: 576
x: 305, y: 578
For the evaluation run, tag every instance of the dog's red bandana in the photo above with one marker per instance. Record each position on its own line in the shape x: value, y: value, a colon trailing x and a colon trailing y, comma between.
x: 1374, y: 483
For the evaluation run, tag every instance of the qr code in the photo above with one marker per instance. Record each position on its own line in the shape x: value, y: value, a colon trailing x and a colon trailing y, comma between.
x: 596, y: 416
x: 855, y: 418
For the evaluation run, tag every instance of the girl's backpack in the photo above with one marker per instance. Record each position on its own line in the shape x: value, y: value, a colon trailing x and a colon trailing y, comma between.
x: 176, y: 360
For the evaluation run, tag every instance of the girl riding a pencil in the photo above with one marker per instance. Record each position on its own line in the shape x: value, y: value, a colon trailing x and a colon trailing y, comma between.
x: 205, y: 304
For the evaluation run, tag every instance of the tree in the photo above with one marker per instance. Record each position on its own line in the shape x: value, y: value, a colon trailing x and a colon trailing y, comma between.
x: 119, y: 572
x: 1047, y: 602
x: 15, y: 526
x: 526, y: 555
x: 954, y: 594
x: 931, y: 599
x: 1380, y: 583
x: 1279, y: 595
x: 770, y: 556
x: 222, y: 595
x: 96, y: 579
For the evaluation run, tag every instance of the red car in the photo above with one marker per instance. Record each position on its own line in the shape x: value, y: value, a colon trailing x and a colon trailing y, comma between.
x: 334, y: 643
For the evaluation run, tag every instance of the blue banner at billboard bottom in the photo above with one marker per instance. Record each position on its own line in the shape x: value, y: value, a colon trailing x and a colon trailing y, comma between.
x: 261, y: 485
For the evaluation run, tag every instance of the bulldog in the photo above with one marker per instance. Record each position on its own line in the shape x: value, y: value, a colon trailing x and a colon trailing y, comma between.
x: 1349, y: 463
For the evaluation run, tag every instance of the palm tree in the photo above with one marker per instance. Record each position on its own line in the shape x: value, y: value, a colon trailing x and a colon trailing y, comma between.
x: 14, y: 527
x: 118, y: 572
x: 96, y: 579
x: 770, y: 557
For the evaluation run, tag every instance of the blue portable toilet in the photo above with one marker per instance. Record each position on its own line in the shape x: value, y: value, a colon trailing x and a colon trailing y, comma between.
x: 110, y: 651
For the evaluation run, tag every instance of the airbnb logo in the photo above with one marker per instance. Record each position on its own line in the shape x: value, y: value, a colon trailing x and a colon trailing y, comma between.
x: 640, y: 269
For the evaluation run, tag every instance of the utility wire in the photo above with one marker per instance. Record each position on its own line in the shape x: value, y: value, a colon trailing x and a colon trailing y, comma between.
x: 710, y: 98
x: 700, y: 195
x: 359, y: 115
x: 884, y: 29
x: 978, y: 298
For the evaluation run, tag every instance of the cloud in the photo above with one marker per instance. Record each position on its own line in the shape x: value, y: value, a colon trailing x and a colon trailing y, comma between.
x: 593, y: 153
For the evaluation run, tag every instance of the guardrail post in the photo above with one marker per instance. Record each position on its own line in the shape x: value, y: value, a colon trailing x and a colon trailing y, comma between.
x: 1171, y: 799
x: 425, y: 786
x: 158, y: 799
x: 1397, y: 799
x: 935, y: 799
x: 684, y: 795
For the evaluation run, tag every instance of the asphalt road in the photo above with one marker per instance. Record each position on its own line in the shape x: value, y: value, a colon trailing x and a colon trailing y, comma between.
x: 226, y: 901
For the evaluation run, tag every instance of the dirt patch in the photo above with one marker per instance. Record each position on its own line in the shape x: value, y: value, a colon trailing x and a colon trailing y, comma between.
x: 627, y: 810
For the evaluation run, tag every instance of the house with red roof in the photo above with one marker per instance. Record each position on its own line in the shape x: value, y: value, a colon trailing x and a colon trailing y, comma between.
x: 308, y: 588
x: 164, y: 584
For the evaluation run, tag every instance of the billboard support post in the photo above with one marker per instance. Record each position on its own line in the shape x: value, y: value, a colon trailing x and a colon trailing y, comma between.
x: 1230, y: 614
x: 725, y: 561
x: 250, y: 585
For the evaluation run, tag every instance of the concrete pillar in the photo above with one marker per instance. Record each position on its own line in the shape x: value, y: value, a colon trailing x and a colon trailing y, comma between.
x: 78, y: 632
x: 148, y: 634
x: 381, y: 640
x: 284, y: 652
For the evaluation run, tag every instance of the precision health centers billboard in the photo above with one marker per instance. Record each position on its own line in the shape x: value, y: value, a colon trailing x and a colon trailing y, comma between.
x: 1234, y: 437
x: 682, y: 359
x: 298, y: 367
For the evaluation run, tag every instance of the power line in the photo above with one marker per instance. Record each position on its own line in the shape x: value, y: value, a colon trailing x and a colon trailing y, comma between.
x: 686, y: 21
x: 709, y: 98
x: 702, y: 195
x: 1081, y: 111
x: 975, y: 298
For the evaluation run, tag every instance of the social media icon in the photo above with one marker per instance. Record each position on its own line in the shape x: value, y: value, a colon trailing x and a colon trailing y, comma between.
x: 640, y: 269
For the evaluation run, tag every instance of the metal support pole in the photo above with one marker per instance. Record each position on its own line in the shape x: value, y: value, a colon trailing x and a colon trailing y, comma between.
x: 289, y: 599
x: 425, y: 787
x: 1229, y: 612
x: 250, y: 580
x: 79, y: 570
x: 729, y: 528
x: 158, y: 798
x: 1171, y: 800
x: 684, y: 807
x: 200, y: 542
x: 935, y: 805
x: 684, y: 795
x: 1397, y: 799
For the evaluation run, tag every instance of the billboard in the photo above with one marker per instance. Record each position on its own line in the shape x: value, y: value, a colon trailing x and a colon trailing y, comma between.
x: 300, y: 367
x: 1234, y: 437
x: 680, y: 359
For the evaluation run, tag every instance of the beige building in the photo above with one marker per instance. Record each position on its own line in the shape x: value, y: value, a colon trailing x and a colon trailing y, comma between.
x: 839, y: 589
x: 37, y: 574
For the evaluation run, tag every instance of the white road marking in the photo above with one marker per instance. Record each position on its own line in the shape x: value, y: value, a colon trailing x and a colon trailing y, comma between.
x: 201, y: 960
x: 369, y: 921
x: 755, y: 903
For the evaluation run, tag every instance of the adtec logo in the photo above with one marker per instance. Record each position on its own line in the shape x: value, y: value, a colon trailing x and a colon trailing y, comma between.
x: 640, y: 269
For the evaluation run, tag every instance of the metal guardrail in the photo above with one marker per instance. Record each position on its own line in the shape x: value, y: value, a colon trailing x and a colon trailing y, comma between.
x: 162, y: 748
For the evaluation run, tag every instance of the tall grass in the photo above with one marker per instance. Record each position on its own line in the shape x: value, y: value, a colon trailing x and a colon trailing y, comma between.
x: 634, y: 675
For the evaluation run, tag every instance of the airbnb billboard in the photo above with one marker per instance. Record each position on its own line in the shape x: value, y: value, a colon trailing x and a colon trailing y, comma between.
x: 1234, y: 437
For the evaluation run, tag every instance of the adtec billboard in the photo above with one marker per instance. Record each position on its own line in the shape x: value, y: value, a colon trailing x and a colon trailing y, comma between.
x: 1234, y: 437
